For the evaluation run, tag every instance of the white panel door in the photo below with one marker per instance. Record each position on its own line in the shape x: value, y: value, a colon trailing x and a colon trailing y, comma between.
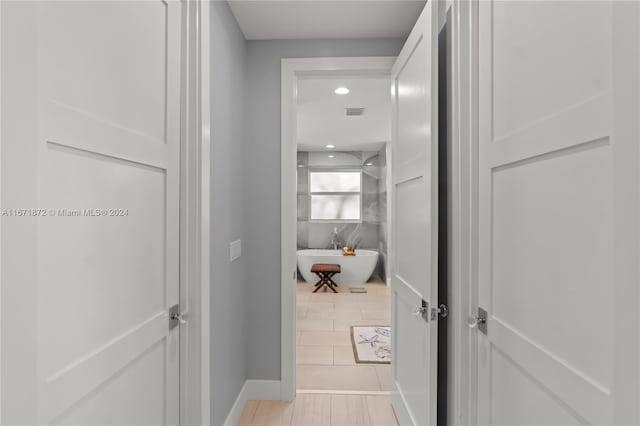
x: 546, y: 228
x: 108, y: 145
x: 414, y: 250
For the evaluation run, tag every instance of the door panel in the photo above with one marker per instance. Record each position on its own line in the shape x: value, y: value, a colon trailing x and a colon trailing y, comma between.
x: 412, y: 355
x: 540, y: 70
x: 546, y: 213
x: 78, y: 54
x: 558, y: 212
x: 522, y: 400
x: 108, y: 274
x: 412, y: 111
x: 412, y: 248
x: 108, y: 177
x: 414, y: 270
x: 106, y: 402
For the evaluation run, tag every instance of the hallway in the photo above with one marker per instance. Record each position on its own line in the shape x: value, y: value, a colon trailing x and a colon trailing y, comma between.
x: 152, y: 192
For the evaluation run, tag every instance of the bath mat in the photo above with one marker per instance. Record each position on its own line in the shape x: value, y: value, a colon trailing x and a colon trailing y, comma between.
x: 357, y: 289
x: 371, y: 344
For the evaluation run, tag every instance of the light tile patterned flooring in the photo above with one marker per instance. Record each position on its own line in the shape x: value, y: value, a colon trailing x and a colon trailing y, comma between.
x: 323, y: 344
x: 332, y: 388
x: 321, y: 410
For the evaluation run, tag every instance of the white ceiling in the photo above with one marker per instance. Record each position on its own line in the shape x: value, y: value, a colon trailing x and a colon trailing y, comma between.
x: 305, y: 19
x: 321, y: 117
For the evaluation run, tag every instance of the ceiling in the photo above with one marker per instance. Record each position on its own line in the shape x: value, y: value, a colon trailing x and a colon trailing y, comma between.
x: 308, y: 19
x: 322, y: 120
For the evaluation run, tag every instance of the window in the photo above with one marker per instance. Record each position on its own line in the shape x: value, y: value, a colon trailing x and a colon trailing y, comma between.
x: 335, y: 195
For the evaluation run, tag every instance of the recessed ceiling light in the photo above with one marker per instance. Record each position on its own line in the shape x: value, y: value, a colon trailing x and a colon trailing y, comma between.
x: 369, y: 164
x: 330, y: 146
x: 331, y: 156
x: 341, y: 91
x: 300, y: 165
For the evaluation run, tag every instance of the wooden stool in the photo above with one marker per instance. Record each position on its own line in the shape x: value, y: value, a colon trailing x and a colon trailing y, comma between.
x: 325, y: 271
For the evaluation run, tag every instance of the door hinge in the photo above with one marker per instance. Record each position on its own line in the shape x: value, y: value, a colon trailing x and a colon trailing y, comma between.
x: 175, y: 317
x: 440, y: 311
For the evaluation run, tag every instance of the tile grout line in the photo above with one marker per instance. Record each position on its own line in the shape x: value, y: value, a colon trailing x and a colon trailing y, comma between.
x: 377, y: 377
x: 333, y: 355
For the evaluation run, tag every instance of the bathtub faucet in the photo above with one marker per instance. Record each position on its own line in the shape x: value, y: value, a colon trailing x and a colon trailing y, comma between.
x: 335, y: 242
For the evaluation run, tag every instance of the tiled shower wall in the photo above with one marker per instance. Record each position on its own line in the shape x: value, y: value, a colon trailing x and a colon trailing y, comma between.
x: 371, y: 234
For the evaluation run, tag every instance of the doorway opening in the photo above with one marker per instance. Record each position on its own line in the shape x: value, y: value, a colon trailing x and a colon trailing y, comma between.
x: 339, y: 206
x: 343, y: 318
x: 323, y: 208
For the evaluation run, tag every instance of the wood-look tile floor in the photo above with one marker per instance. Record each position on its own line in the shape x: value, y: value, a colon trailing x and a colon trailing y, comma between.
x: 324, y: 354
x: 321, y: 410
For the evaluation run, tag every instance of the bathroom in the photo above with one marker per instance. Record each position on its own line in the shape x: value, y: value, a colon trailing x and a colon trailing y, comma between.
x: 343, y: 127
x: 364, y: 218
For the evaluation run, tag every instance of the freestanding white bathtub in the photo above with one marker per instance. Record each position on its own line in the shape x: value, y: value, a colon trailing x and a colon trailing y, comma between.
x: 355, y: 269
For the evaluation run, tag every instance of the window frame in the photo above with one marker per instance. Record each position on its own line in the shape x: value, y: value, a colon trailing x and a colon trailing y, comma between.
x: 336, y: 169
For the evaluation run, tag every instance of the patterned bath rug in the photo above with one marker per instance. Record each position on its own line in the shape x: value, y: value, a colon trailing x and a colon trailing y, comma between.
x: 371, y: 344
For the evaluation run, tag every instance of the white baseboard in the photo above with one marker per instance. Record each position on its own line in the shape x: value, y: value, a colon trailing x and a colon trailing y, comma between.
x: 253, y: 389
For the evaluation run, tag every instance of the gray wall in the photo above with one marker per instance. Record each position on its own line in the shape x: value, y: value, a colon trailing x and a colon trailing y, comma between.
x: 262, y: 189
x: 228, y: 280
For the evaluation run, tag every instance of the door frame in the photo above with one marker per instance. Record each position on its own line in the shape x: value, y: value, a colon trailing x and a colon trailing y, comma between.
x: 194, y: 240
x: 195, y: 230
x: 463, y: 227
x: 291, y: 69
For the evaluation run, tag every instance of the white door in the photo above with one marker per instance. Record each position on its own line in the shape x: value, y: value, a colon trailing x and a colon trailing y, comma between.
x: 414, y: 250
x: 108, y: 126
x: 547, y: 165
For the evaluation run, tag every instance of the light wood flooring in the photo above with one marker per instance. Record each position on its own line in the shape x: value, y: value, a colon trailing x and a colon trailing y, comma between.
x: 324, y: 357
x: 332, y: 388
x: 321, y: 410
